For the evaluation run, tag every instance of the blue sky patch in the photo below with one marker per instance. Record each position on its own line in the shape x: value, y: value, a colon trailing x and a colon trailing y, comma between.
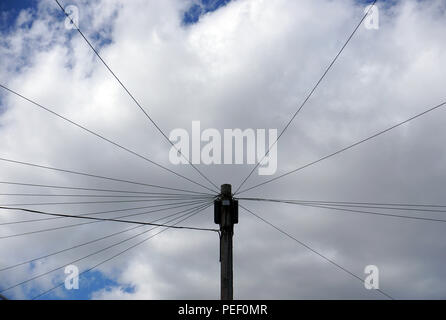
x: 89, y: 282
x: 193, y: 14
x: 10, y: 9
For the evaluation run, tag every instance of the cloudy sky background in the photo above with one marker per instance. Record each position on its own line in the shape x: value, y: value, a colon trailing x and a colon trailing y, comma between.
x: 245, y: 64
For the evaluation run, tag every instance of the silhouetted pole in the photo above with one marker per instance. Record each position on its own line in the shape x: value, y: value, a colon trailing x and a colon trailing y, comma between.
x: 226, y: 215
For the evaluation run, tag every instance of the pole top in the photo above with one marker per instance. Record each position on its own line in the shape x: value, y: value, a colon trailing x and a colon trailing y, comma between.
x: 226, y: 190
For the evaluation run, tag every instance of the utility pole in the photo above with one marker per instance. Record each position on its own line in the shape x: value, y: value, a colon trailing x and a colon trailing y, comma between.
x: 226, y: 215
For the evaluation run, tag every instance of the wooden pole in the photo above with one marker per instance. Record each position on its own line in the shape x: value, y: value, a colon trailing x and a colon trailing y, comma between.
x: 226, y: 214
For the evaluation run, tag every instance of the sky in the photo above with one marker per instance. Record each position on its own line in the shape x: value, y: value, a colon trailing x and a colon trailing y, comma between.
x: 228, y: 64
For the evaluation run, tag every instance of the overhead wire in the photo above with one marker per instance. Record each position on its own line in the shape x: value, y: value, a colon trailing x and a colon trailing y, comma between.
x: 92, y: 175
x: 99, y: 219
x: 340, y: 208
x: 105, y: 190
x: 103, y: 137
x: 309, y: 95
x: 346, y: 148
x: 43, y: 195
x: 86, y: 223
x: 106, y: 211
x: 369, y: 205
x: 91, y: 241
x: 104, y: 249
x: 132, y: 97
x: 305, y: 245
x: 119, y: 253
x: 86, y: 202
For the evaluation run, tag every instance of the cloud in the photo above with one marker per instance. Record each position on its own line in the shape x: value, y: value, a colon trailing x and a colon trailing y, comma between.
x: 248, y: 64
